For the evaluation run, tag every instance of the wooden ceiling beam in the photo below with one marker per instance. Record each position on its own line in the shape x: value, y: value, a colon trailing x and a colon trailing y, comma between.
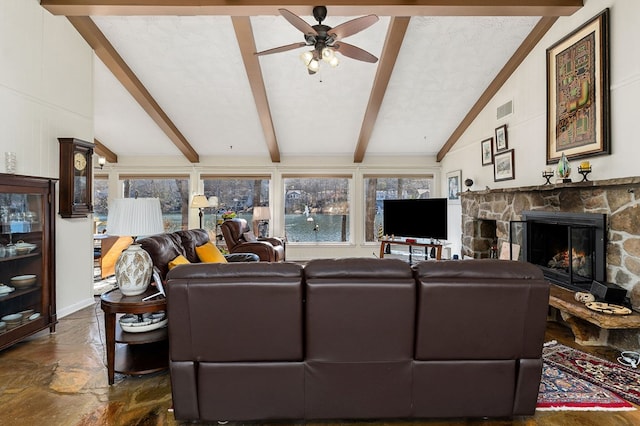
x: 114, y: 62
x: 516, y: 59
x: 303, y: 7
x: 392, y: 44
x: 105, y: 152
x: 246, y: 41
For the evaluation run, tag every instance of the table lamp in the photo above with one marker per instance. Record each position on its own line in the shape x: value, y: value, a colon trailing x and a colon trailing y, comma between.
x: 134, y: 217
x: 260, y: 214
x: 200, y: 202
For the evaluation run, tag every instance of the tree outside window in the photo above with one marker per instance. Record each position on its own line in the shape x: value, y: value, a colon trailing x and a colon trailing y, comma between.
x: 173, y: 194
x: 316, y: 209
x: 235, y: 194
x: 100, y: 203
x: 379, y: 188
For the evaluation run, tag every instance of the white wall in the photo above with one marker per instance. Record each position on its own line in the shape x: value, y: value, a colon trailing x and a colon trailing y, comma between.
x: 527, y: 89
x: 46, y: 92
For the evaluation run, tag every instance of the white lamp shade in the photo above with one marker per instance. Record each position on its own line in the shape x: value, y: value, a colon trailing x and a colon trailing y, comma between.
x: 200, y: 201
x: 135, y: 217
x: 261, y: 213
x: 213, y: 201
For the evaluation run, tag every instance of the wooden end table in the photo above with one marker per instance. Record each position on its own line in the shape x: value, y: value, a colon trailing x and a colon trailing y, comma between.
x: 133, y: 353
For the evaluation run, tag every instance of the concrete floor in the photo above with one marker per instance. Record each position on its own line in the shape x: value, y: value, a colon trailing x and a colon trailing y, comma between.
x: 61, y: 379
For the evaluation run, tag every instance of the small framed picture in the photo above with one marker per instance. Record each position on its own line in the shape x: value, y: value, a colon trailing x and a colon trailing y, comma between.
x: 501, y: 138
x: 487, y: 151
x: 454, y: 180
x: 503, y: 166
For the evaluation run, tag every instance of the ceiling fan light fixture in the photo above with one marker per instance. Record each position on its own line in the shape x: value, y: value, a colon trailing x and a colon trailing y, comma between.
x: 313, y: 65
x: 334, y: 61
x: 307, y: 57
x: 328, y: 54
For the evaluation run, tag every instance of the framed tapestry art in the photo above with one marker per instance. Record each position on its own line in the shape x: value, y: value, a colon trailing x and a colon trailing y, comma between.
x: 578, y: 92
x: 503, y: 166
x: 487, y: 151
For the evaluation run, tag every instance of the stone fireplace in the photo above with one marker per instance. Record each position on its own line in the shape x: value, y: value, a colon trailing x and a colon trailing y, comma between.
x: 487, y: 218
x: 570, y: 248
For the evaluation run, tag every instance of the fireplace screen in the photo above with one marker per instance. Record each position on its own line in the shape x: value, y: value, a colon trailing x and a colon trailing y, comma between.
x: 569, y: 248
x: 566, y: 251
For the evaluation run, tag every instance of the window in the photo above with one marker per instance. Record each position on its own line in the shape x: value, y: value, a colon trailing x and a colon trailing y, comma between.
x: 173, y: 193
x: 236, y: 194
x: 379, y: 188
x: 100, y: 203
x: 316, y: 209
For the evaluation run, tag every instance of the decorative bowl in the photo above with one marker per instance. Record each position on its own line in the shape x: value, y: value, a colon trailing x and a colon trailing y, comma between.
x: 23, y: 281
x: 26, y: 314
x: 24, y: 248
x: 12, y: 318
x: 5, y: 289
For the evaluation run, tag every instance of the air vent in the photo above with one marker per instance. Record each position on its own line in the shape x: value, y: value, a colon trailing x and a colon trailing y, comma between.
x: 504, y: 110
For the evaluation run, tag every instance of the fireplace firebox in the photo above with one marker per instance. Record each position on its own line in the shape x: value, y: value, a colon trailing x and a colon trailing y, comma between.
x: 570, y: 248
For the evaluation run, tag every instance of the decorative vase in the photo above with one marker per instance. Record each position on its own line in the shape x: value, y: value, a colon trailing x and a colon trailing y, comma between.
x: 564, y: 168
x: 133, y: 270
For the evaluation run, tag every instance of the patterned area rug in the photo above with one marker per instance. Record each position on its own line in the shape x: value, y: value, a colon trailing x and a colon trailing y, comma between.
x: 622, y: 381
x: 560, y: 391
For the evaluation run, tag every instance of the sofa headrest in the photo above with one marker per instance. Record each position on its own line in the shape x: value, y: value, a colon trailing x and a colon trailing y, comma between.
x: 162, y: 248
x: 190, y: 239
x: 478, y: 269
x: 248, y: 271
x: 357, y: 267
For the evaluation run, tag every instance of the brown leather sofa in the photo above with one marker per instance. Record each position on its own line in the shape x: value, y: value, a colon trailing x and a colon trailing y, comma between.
x: 355, y: 339
x: 163, y: 248
x: 239, y: 239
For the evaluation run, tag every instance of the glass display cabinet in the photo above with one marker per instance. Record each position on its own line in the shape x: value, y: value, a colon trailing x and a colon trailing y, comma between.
x: 27, y: 257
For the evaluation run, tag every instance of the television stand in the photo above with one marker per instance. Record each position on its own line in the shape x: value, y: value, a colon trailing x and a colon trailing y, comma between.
x: 388, y: 242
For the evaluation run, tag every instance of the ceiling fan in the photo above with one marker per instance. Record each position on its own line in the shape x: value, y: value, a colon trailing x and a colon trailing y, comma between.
x: 325, y: 39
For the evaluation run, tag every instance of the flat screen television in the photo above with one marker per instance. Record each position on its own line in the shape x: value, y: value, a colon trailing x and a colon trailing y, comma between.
x: 420, y: 218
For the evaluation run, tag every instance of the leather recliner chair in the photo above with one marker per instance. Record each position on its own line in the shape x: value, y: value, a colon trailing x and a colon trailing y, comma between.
x: 240, y: 239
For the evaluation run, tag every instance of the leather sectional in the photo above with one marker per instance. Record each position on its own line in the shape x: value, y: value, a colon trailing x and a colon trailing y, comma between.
x: 355, y: 338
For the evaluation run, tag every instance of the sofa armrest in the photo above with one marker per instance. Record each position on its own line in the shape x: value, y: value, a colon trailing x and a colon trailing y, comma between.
x: 265, y: 250
x: 242, y: 257
x: 274, y: 241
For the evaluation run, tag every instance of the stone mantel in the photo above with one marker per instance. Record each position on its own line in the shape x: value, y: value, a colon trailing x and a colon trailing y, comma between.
x: 486, y: 217
x: 627, y: 181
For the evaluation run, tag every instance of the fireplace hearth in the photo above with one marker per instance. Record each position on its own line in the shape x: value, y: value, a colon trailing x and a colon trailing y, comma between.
x: 570, y: 248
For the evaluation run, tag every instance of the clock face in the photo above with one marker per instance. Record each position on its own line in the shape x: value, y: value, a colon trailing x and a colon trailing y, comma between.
x: 79, y: 161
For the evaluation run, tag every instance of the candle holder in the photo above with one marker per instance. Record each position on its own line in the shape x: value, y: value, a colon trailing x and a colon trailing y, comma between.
x: 584, y: 171
x: 547, y: 174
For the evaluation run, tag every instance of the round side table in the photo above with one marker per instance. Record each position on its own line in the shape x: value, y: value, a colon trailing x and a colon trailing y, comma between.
x: 133, y: 353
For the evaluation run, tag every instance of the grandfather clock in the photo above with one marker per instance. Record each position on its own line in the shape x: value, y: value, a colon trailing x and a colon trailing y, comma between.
x: 76, y: 170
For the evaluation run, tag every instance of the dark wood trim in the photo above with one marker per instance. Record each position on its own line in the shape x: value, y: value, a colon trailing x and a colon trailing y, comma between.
x: 525, y: 48
x: 110, y: 57
x: 303, y: 7
x: 246, y: 41
x: 393, y: 43
x: 105, y: 152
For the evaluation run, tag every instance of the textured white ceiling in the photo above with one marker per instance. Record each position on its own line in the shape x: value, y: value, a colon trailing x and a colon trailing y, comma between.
x: 193, y: 68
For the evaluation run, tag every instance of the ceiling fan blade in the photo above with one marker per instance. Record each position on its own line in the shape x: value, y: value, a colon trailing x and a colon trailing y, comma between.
x: 354, y: 26
x: 282, y: 48
x: 297, y: 22
x: 354, y: 52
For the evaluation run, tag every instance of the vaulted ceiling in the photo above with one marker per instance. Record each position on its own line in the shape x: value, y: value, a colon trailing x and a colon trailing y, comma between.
x: 177, y: 77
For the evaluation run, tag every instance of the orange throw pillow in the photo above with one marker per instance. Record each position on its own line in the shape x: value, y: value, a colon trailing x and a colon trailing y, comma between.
x: 208, y: 253
x: 179, y: 260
